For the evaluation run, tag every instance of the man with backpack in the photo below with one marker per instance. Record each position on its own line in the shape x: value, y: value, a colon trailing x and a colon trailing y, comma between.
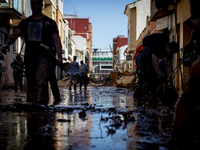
x: 156, y: 48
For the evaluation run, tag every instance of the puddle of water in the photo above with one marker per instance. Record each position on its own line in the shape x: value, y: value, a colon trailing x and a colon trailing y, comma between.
x: 102, y: 126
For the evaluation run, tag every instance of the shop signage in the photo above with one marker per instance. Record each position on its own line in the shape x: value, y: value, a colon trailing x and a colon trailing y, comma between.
x: 162, y: 23
x: 102, y: 58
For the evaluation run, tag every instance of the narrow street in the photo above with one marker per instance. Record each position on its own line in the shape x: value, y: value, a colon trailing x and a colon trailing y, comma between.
x: 103, y: 118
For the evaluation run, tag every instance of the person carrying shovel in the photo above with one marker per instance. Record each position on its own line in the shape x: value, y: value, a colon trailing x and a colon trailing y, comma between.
x: 37, y: 29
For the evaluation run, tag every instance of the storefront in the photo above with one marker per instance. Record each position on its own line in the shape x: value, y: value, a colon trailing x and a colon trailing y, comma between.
x: 102, y: 62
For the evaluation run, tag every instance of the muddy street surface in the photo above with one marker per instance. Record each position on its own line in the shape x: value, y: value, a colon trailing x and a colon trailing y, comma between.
x: 102, y: 118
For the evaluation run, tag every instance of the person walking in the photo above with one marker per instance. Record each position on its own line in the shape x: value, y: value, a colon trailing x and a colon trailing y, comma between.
x: 73, y: 78
x: 83, y: 79
x: 17, y: 66
x: 37, y: 29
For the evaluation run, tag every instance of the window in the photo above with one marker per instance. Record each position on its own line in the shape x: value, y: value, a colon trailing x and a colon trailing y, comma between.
x: 4, y: 37
x: 59, y: 27
x: 106, y: 67
x: 28, y: 11
x: 64, y: 37
x: 66, y: 42
x: 15, y: 46
x: 53, y: 16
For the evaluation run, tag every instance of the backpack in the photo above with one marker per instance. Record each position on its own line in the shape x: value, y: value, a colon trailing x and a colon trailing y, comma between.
x: 153, y: 40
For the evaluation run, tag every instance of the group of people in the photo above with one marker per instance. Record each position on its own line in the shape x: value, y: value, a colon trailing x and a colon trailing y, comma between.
x: 81, y: 76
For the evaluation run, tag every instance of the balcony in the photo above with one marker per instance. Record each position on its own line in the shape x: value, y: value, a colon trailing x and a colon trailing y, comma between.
x: 48, y: 1
x: 12, y: 9
x: 159, y: 13
x: 3, y: 1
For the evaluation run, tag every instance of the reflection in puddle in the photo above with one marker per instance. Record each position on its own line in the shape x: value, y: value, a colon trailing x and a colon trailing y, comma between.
x: 104, y: 117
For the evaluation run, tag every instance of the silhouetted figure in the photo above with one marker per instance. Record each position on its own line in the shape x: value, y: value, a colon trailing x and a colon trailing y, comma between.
x: 17, y: 66
x: 37, y: 29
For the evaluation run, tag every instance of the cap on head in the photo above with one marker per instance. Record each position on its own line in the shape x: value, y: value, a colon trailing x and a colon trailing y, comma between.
x: 174, y: 47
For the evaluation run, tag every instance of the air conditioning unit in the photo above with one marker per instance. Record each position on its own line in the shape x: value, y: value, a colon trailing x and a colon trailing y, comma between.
x: 3, y: 1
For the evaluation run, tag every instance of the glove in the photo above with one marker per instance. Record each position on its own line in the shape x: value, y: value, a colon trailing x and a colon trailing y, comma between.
x: 163, y: 78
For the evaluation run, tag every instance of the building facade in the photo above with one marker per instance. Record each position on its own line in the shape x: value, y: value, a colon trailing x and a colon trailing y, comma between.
x: 119, y: 43
x: 176, y: 19
x: 136, y: 13
x: 82, y: 27
x: 102, y: 62
x: 12, y: 12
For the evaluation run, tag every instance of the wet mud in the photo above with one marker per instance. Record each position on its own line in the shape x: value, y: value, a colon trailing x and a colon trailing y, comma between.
x: 102, y: 118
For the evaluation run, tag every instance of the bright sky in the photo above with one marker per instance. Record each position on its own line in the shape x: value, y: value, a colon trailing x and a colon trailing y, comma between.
x: 107, y: 18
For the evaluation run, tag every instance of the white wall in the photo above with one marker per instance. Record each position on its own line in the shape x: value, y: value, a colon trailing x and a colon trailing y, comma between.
x: 143, y: 10
x: 73, y: 49
x: 60, y: 5
x: 66, y: 39
x: 121, y: 53
x: 80, y: 44
x: 27, y: 8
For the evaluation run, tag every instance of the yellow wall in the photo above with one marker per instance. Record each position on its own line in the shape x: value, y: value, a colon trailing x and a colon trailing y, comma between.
x: 183, y: 11
x: 183, y: 15
x: 49, y: 11
x: 133, y: 27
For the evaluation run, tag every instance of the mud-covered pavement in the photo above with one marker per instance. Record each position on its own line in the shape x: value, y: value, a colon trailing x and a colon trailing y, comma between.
x: 102, y: 118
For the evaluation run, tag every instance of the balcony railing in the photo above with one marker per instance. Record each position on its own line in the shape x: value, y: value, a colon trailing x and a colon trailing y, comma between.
x: 3, y: 1
x: 12, y: 9
x: 48, y: 1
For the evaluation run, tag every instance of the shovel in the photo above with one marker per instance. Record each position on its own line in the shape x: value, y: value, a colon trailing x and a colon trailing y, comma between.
x: 63, y: 66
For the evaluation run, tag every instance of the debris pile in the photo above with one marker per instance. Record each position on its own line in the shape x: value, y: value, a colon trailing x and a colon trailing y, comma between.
x: 108, y: 81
